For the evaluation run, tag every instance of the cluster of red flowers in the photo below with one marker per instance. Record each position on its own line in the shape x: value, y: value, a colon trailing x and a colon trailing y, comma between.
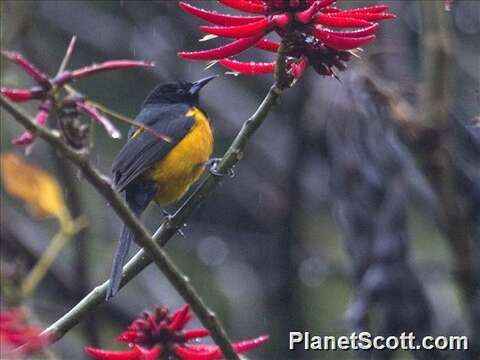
x: 48, y: 89
x: 15, y: 332
x: 309, y: 24
x: 158, y: 334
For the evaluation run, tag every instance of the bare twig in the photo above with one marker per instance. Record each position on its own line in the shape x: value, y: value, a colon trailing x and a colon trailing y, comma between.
x: 168, y: 229
x: 37, y: 273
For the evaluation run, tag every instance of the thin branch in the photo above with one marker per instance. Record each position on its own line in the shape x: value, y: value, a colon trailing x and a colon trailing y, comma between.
x: 168, y: 229
x: 58, y: 242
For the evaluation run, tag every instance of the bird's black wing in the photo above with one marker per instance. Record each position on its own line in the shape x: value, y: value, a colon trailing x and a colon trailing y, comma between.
x: 144, y: 149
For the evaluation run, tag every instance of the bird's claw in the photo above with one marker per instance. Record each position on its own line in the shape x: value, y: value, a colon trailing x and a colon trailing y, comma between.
x: 169, y: 217
x: 212, y: 168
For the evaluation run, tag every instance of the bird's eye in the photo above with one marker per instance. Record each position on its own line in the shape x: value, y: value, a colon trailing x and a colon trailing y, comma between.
x: 181, y: 92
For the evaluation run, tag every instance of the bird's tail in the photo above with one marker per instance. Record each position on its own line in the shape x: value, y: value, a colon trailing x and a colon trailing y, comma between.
x: 119, y: 259
x: 138, y: 196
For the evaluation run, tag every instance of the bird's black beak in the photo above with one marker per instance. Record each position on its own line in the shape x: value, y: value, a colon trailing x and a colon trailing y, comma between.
x: 198, y: 85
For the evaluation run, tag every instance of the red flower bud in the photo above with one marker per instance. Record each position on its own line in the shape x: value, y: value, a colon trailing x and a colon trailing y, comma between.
x: 17, y: 95
x: 28, y: 67
x: 243, y: 5
x: 25, y: 139
x: 103, y: 120
x: 136, y: 353
x: 180, y: 318
x: 241, y: 31
x: 366, y: 16
x: 340, y: 22
x: 219, y: 19
x: 331, y: 10
x: 198, y: 352
x: 109, y: 65
x: 340, y: 42
x: 212, y: 352
x: 248, y: 68
x: 41, y: 118
x: 367, y: 9
x: 234, y: 48
x: 247, y: 345
x: 195, y: 334
x: 355, y: 33
x: 305, y: 16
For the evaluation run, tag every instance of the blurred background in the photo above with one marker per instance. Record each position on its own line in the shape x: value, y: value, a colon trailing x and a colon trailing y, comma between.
x: 333, y: 223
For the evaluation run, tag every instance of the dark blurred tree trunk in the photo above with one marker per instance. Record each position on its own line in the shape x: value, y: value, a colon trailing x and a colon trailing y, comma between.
x: 286, y: 302
x: 444, y: 161
x: 81, y: 263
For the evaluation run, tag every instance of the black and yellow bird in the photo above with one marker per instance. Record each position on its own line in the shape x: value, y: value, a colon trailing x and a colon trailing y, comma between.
x: 149, y: 168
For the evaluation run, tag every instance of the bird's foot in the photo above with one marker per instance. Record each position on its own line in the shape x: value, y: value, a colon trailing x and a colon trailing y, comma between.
x: 212, y: 168
x: 169, y: 217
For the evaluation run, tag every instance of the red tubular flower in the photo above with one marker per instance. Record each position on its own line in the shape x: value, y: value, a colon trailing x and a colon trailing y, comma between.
x: 339, y: 22
x: 240, y: 31
x: 234, y: 48
x: 308, y: 23
x: 17, y: 338
x: 211, y: 352
x: 245, y: 5
x: 340, y: 42
x: 354, y: 33
x: 136, y: 353
x: 49, y: 87
x: 157, y: 334
x: 219, y: 19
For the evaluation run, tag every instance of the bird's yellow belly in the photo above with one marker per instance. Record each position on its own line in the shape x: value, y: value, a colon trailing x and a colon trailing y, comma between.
x: 184, y: 164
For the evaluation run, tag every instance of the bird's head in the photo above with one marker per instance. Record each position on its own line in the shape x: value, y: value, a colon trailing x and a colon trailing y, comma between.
x: 177, y: 92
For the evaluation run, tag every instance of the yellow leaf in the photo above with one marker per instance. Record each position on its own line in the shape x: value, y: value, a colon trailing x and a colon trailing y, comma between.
x: 37, y: 188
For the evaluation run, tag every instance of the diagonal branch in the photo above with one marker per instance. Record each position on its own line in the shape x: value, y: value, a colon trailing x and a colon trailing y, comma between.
x: 151, y: 250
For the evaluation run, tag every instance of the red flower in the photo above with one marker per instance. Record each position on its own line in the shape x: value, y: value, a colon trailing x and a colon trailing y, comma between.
x: 308, y: 22
x: 15, y: 332
x: 48, y: 89
x: 158, y: 334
